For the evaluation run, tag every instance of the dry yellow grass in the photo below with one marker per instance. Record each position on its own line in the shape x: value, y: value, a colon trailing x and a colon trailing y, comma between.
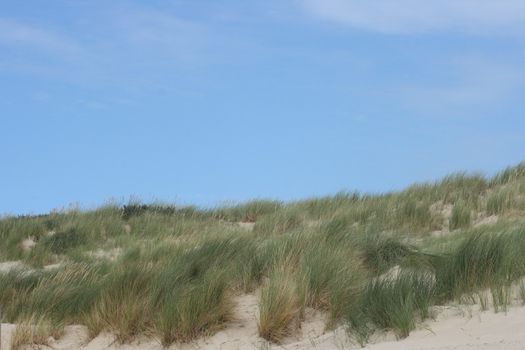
x: 34, y: 331
x: 278, y: 306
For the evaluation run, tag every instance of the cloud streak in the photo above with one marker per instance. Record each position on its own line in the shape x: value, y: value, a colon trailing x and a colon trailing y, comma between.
x: 416, y: 16
x: 162, y: 32
x: 476, y: 83
x: 19, y: 34
x: 135, y: 48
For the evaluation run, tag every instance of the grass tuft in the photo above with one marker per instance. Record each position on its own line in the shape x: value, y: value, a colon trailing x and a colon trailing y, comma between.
x: 461, y: 216
x: 395, y: 302
x: 370, y: 262
x: 278, y: 306
x: 34, y: 331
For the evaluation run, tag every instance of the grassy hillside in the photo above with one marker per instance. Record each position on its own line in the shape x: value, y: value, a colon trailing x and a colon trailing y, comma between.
x: 370, y: 262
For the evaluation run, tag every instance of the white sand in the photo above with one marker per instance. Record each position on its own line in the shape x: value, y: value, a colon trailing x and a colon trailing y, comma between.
x: 6, y: 266
x: 111, y: 254
x: 454, y: 328
x: 451, y: 330
x: 487, y: 331
x: 489, y: 220
x: 28, y: 244
x: 248, y: 226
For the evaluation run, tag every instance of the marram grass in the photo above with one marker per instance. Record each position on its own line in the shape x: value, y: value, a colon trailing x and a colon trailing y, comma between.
x: 369, y: 262
x: 278, y: 306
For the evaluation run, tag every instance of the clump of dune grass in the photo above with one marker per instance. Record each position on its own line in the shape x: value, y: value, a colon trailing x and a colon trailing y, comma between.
x: 324, y: 207
x: 337, y: 227
x: 500, y: 297
x: 278, y: 223
x: 188, y: 312
x: 394, y: 302
x: 34, y: 331
x: 120, y: 306
x: 278, y: 306
x: 368, y: 261
x: 328, y: 277
x: 484, y: 259
x: 249, y: 211
x: 61, y: 294
x: 500, y: 201
x: 510, y: 174
x: 380, y: 252
x: 415, y: 213
x: 317, y: 270
x: 60, y: 242
x: 461, y: 216
x: 135, y: 208
x: 249, y: 266
x: 522, y: 292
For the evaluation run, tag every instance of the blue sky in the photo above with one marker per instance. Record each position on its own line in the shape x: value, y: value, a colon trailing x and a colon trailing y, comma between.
x: 202, y: 102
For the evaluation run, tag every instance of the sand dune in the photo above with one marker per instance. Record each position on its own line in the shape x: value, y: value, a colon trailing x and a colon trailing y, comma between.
x: 458, y: 328
x: 486, y: 330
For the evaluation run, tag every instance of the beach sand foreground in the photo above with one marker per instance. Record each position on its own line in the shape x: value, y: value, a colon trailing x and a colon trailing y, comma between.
x: 455, y: 328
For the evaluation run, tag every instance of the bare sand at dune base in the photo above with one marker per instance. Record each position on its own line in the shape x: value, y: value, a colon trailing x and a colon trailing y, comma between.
x: 455, y: 327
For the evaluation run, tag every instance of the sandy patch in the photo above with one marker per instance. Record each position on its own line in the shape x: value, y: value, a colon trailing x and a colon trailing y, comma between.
x: 52, y: 266
x: 110, y: 254
x: 7, y: 330
x: 312, y: 327
x: 390, y: 275
x: 459, y: 328
x: 487, y: 331
x: 28, y: 244
x: 450, y: 330
x: 313, y: 223
x: 489, y: 220
x: 240, y: 333
x: 445, y: 211
x: 7, y: 266
x: 248, y: 226
x: 244, y: 225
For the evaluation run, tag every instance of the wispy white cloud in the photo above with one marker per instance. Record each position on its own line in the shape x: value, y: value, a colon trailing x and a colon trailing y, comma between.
x: 144, y: 30
x: 475, y: 83
x: 24, y: 35
x: 417, y: 16
x: 164, y: 32
x: 119, y: 51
